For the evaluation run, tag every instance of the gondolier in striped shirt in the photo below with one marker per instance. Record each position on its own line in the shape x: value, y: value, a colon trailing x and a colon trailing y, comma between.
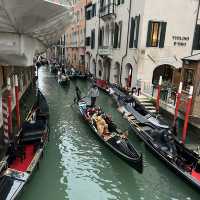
x: 94, y: 93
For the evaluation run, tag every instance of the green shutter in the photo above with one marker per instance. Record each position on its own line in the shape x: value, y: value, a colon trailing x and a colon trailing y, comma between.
x: 148, y: 43
x: 116, y: 36
x: 120, y: 34
x: 162, y: 34
x: 196, y: 40
x: 132, y: 33
x: 137, y: 31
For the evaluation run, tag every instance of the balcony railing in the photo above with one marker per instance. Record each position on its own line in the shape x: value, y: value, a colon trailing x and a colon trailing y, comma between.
x: 107, y: 11
x: 105, y: 51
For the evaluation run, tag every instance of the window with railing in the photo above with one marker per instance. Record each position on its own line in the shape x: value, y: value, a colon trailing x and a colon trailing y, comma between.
x: 107, y: 9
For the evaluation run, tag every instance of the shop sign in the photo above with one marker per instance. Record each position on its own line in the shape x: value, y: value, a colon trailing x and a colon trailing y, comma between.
x: 180, y: 40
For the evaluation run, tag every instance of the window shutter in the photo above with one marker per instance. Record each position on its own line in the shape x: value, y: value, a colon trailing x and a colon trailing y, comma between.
x: 120, y: 34
x: 162, y: 34
x: 137, y: 31
x: 92, y: 39
x: 196, y: 40
x: 148, y: 43
x: 132, y: 33
x: 116, y: 36
x: 93, y: 10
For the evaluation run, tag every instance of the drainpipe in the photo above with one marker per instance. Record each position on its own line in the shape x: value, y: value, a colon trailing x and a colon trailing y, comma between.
x: 97, y: 54
x: 129, y: 18
x: 195, y: 26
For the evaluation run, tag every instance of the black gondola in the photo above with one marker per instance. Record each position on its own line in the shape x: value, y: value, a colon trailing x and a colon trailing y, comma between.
x: 117, y: 143
x: 25, y: 152
x: 161, y: 140
x: 63, y: 79
x: 76, y: 74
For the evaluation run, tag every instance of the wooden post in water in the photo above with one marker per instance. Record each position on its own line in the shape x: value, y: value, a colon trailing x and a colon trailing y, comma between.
x: 178, y: 101
x: 158, y: 95
x: 17, y: 102
x: 187, y: 113
x: 9, y: 108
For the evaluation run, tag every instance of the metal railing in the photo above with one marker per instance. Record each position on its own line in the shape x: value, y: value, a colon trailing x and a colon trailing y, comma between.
x: 168, y: 94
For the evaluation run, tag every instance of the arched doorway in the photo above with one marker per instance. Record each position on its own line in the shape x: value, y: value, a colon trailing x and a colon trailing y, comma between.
x: 106, y: 69
x: 93, y: 68
x: 170, y: 82
x: 166, y: 71
x: 129, y: 73
x: 116, y: 73
x: 100, y: 70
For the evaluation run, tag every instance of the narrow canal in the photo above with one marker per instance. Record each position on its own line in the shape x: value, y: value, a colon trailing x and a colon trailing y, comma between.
x: 77, y: 166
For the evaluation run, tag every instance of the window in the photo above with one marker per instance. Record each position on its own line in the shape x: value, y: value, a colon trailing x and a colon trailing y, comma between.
x: 120, y: 34
x: 93, y: 10
x: 156, y: 34
x: 100, y: 73
x: 87, y: 41
x: 101, y: 37
x: 90, y: 11
x: 120, y: 2
x: 196, y: 41
x: 116, y: 35
x: 188, y: 79
x: 93, y: 39
x: 134, y: 32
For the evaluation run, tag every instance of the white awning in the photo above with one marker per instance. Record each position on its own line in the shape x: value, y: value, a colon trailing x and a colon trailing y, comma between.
x: 40, y: 19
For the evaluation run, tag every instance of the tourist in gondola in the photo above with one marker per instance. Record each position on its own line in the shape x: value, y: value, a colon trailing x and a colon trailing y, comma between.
x: 93, y: 93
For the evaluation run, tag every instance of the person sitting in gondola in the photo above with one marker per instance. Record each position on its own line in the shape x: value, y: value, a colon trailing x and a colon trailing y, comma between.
x: 90, y: 112
x: 108, y: 119
x: 102, y: 127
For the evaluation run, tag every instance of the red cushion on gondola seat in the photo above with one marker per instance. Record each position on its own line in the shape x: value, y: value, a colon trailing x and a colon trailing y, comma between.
x: 196, y: 175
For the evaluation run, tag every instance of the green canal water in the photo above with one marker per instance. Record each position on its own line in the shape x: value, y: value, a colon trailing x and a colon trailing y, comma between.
x: 77, y: 166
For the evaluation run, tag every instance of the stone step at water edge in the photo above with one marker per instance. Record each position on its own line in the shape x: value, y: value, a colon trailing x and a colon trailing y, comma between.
x: 144, y: 100
x: 150, y: 107
x: 147, y: 103
x: 152, y: 111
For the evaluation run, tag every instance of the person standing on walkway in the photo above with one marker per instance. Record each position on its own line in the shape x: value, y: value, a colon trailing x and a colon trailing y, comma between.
x: 94, y: 93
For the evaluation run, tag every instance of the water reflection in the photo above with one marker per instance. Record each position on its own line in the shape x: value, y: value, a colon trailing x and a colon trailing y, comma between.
x: 78, y: 166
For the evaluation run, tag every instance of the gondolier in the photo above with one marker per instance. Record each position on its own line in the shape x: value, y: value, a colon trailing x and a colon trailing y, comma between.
x: 94, y: 93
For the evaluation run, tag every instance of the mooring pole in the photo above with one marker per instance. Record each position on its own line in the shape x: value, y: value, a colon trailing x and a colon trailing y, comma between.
x: 187, y: 113
x: 17, y: 102
x: 158, y: 94
x: 9, y: 108
x: 178, y: 101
